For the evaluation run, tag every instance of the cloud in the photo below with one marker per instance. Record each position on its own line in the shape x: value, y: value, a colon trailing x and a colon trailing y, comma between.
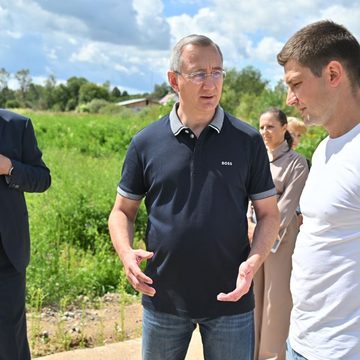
x: 348, y: 15
x: 153, y: 27
x: 13, y: 34
x: 29, y: 17
x: 112, y: 21
x: 52, y: 54
x: 92, y: 39
x: 129, y: 42
x: 189, y: 2
x: 91, y: 53
x: 253, y: 32
x: 265, y: 49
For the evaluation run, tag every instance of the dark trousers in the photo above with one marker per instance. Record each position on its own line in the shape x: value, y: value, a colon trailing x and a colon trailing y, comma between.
x: 13, y: 336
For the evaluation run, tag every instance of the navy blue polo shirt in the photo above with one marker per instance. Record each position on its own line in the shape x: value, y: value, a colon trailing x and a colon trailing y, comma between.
x: 196, y: 194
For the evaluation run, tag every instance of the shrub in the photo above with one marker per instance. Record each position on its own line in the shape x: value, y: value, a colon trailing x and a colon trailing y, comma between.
x: 95, y: 105
x: 71, y: 249
x: 12, y: 104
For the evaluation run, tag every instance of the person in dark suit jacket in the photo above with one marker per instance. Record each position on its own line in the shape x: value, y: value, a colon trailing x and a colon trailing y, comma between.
x: 21, y: 170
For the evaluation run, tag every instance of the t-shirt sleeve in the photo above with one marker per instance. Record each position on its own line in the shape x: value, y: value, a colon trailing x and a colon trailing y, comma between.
x: 131, y: 184
x: 261, y: 184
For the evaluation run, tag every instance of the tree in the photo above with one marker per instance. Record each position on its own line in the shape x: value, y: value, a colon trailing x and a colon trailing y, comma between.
x: 35, y: 97
x: 74, y: 84
x: 6, y: 95
x: 160, y: 90
x: 4, y: 78
x: 115, y: 94
x: 238, y: 83
x: 252, y: 105
x: 106, y: 85
x: 24, y: 79
x: 61, y: 97
x: 48, y: 93
x: 90, y: 91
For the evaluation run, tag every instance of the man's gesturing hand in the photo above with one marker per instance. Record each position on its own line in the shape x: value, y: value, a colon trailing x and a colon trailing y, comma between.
x: 243, y: 283
x: 135, y: 276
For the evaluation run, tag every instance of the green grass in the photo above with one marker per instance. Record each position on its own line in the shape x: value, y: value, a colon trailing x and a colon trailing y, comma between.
x: 71, y: 252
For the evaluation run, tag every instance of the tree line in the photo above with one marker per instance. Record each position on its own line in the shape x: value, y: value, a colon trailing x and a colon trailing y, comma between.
x: 52, y: 95
x: 245, y: 93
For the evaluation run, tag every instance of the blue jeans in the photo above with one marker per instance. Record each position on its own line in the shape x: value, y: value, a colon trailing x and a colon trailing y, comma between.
x: 167, y: 337
x: 292, y: 354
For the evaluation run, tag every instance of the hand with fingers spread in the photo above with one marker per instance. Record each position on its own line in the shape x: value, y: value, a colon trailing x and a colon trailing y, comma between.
x: 135, y: 276
x: 243, y: 283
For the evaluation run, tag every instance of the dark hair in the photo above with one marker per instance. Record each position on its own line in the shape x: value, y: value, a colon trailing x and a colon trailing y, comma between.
x: 315, y: 45
x: 281, y: 117
x: 194, y: 39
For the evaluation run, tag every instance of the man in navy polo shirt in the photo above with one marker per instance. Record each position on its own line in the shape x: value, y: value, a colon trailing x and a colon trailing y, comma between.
x: 196, y: 168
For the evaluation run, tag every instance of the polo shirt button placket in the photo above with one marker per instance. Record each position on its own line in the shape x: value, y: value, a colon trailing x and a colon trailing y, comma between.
x: 196, y: 155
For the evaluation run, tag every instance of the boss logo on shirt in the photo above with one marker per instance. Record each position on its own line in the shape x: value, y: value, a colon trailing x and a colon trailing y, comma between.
x: 226, y: 163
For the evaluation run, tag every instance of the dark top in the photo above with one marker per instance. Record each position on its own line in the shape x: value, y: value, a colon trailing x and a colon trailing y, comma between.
x: 30, y: 174
x: 196, y: 195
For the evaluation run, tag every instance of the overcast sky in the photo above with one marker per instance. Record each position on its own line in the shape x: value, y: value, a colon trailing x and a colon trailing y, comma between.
x: 128, y: 42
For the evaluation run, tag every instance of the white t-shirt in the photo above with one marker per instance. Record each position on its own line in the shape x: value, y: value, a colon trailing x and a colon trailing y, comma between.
x: 325, y: 281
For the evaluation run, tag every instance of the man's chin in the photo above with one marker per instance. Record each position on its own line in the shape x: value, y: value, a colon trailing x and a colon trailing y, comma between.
x: 309, y: 120
x: 209, y: 107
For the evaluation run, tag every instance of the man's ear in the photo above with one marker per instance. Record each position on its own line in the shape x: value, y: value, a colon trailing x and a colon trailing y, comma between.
x: 173, y: 80
x: 335, y: 72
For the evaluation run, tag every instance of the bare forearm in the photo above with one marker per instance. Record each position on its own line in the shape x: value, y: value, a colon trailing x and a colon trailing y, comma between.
x: 265, y: 233
x: 121, y: 232
x: 121, y: 227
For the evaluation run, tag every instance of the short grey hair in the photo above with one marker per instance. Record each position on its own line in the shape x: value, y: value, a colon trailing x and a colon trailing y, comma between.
x: 193, y: 39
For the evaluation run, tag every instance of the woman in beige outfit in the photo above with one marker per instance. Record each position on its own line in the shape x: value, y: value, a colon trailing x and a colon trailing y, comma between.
x: 272, y: 281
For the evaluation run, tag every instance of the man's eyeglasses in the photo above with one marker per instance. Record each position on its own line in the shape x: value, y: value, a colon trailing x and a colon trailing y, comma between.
x: 200, y: 76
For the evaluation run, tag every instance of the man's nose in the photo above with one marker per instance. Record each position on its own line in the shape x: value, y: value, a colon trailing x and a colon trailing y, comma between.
x: 291, y: 98
x: 209, y: 81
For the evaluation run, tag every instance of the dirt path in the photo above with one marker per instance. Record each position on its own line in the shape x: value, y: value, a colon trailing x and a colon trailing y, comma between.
x: 85, y: 326
x: 108, y: 331
x: 126, y: 350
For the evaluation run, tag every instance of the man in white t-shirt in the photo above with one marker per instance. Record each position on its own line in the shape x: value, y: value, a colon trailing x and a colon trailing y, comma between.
x: 322, y: 69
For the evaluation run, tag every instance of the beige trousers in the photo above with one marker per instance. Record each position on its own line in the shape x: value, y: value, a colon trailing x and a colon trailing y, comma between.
x: 273, y: 301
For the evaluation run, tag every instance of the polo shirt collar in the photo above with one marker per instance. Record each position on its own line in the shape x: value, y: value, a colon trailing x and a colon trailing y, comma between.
x: 177, y: 126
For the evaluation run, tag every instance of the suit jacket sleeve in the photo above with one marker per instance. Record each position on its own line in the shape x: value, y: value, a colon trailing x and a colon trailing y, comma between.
x: 30, y: 173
